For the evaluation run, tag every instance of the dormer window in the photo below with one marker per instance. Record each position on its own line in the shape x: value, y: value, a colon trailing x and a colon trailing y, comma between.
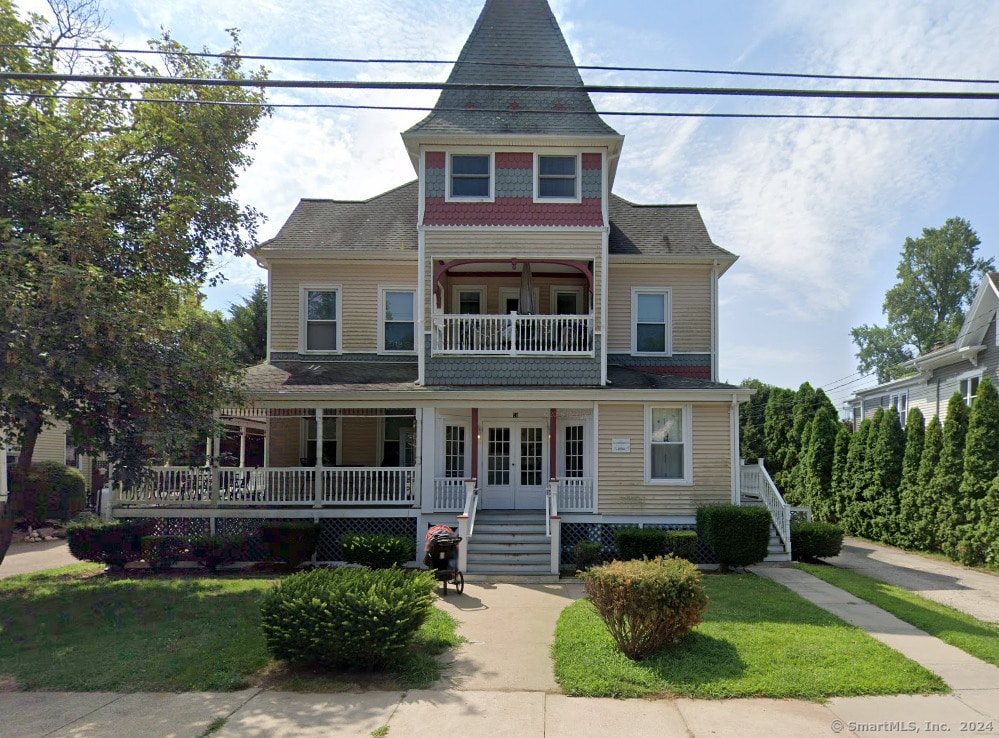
x: 557, y: 178
x: 470, y: 177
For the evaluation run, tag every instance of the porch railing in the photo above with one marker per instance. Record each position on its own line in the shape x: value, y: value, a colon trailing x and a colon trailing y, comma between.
x: 449, y: 494
x: 575, y: 494
x: 513, y: 334
x: 756, y: 483
x: 247, y: 487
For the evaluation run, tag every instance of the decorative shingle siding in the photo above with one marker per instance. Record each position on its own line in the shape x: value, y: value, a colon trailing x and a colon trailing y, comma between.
x: 695, y: 366
x: 512, y: 370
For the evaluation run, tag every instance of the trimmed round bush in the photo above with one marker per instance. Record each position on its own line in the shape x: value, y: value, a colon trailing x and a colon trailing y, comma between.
x: 638, y: 543
x: 815, y: 540
x: 52, y: 490
x: 291, y: 541
x: 646, y: 605
x: 739, y: 536
x: 588, y: 554
x: 215, y: 551
x: 377, y: 550
x: 113, y: 543
x: 349, y: 618
x: 162, y: 552
x: 682, y: 543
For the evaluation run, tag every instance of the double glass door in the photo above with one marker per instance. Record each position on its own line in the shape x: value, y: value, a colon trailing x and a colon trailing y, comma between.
x: 515, y: 466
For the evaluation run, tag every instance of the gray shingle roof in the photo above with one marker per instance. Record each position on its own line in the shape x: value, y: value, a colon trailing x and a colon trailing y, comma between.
x: 659, y: 230
x: 386, y: 222
x: 622, y: 378
x: 324, y: 376
x: 515, y: 42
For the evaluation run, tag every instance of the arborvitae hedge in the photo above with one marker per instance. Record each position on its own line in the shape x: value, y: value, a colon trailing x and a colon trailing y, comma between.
x: 818, y: 463
x: 981, y: 464
x: 847, y: 503
x: 886, y: 476
x: 923, y: 528
x: 908, y: 508
x: 946, y: 483
x: 831, y: 512
x: 777, y: 429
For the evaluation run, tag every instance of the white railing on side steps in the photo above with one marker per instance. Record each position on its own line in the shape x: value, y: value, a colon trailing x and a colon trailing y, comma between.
x: 756, y: 482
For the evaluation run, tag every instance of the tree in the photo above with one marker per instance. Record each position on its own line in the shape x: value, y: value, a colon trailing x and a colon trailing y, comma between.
x: 915, y: 439
x: 946, y: 483
x: 818, y: 463
x: 847, y: 503
x: 247, y: 326
x: 841, y: 453
x: 113, y: 204
x: 886, y: 476
x: 777, y: 428
x: 938, y: 275
x: 752, y: 418
x: 923, y: 526
x: 981, y: 464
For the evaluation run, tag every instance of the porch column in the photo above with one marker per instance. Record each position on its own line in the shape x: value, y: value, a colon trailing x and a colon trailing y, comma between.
x: 318, y: 473
x: 3, y: 473
x: 208, y: 451
x: 242, y: 446
x: 476, y: 439
x: 552, y: 443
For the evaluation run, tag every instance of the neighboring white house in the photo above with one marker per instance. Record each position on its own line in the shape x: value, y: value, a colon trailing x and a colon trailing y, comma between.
x: 957, y: 367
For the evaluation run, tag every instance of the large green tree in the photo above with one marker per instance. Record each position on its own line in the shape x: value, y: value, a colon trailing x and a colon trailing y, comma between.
x: 949, y: 473
x: 114, y: 201
x: 938, y: 274
x: 908, y: 491
x: 247, y: 326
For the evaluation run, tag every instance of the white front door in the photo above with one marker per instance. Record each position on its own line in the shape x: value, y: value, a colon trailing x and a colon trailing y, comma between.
x: 515, y: 463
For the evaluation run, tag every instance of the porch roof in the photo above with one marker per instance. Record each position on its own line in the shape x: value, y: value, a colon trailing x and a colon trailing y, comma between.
x: 626, y: 378
x: 324, y: 376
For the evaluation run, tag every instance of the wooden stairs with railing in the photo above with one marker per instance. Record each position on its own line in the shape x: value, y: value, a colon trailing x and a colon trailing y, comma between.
x: 777, y: 552
x: 510, y: 543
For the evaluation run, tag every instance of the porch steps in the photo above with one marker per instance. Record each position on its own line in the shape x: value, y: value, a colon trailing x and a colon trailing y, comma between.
x: 775, y: 549
x: 509, y: 544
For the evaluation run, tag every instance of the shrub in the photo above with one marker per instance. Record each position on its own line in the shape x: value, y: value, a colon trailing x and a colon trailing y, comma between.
x: 115, y: 543
x: 292, y: 542
x: 588, y: 554
x: 214, y: 551
x: 162, y: 552
x: 815, y: 540
x: 346, y: 618
x: 377, y: 550
x: 682, y: 543
x: 52, y: 490
x: 646, y: 605
x: 637, y: 543
x: 739, y: 536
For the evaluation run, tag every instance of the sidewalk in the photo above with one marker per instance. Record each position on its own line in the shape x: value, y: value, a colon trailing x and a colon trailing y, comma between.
x: 501, y: 684
x: 24, y: 558
x: 968, y: 590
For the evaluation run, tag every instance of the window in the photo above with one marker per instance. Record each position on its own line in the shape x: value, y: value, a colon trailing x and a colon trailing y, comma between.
x: 470, y: 177
x: 329, y: 442
x: 557, y: 178
x: 469, y: 300
x: 321, y: 308
x: 72, y: 455
x: 969, y: 388
x: 899, y: 403
x: 650, y: 313
x: 398, y: 316
x: 567, y: 301
x: 667, y: 432
x: 454, y: 451
x: 574, y: 451
x: 398, y: 441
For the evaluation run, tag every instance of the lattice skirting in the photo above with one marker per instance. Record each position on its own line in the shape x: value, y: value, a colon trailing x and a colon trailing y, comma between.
x: 333, y: 528
x: 573, y: 533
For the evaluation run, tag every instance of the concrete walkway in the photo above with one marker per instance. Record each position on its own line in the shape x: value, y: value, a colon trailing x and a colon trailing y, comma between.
x: 501, y: 684
x: 24, y: 558
x: 968, y: 590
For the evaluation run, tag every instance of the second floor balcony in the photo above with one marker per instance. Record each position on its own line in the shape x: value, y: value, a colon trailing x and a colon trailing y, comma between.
x: 513, y: 335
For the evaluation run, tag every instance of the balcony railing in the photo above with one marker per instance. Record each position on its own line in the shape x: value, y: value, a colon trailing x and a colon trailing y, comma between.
x: 513, y: 335
x: 575, y: 494
x: 271, y: 487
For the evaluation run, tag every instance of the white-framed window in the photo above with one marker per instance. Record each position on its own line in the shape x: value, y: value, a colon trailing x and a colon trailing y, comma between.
x: 968, y: 387
x: 468, y: 300
x: 574, y: 439
x: 397, y: 320
x: 899, y: 402
x: 557, y: 177
x: 509, y: 301
x: 567, y: 301
x: 455, y: 450
x: 470, y: 177
x: 331, y: 428
x: 668, y: 454
x: 398, y: 434
x: 321, y: 325
x: 651, y: 319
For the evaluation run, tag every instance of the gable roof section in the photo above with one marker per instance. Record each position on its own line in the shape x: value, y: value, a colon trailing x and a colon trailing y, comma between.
x: 660, y: 230
x: 384, y: 223
x: 387, y: 224
x: 514, y: 42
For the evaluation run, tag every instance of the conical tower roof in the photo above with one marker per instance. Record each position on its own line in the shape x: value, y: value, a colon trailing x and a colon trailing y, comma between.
x: 515, y: 42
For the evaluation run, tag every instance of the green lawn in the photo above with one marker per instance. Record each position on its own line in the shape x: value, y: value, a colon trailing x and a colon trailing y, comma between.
x: 75, y: 629
x: 757, y: 638
x: 951, y: 626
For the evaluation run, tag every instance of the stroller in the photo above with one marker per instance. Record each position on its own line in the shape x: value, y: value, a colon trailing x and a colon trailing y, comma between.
x: 442, y: 557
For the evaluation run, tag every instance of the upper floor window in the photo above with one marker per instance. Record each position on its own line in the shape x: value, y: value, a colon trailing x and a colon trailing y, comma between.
x: 470, y: 176
x: 321, y: 329
x: 469, y: 300
x: 650, y: 319
x: 398, y: 315
x: 969, y: 388
x: 557, y: 178
x: 668, y: 451
x: 900, y: 404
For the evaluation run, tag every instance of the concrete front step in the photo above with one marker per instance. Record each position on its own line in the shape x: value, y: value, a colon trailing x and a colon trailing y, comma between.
x: 509, y: 544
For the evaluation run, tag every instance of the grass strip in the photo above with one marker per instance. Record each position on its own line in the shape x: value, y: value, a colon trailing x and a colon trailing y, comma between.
x: 959, y: 629
x: 75, y: 629
x: 757, y: 639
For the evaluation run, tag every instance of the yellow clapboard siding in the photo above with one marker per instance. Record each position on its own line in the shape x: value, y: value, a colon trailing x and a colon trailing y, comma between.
x: 51, y: 444
x: 691, y: 301
x: 359, y: 282
x: 622, y: 475
x: 358, y: 442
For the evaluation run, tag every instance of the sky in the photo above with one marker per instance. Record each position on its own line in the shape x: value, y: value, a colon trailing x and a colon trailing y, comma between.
x: 817, y: 210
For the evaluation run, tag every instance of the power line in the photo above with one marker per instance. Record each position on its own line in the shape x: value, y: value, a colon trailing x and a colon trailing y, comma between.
x: 478, y: 87
x: 519, y: 65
